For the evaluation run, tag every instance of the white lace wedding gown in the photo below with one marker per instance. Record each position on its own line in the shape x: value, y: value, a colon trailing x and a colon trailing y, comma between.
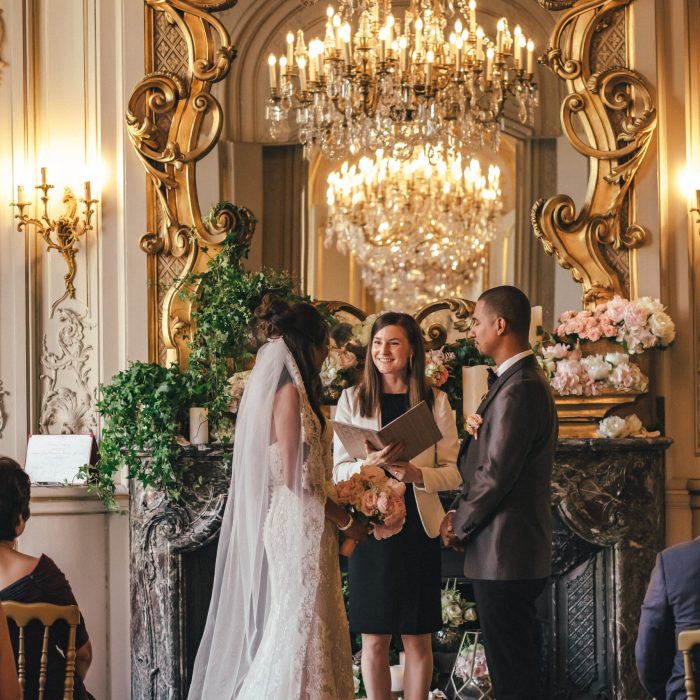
x: 317, y: 630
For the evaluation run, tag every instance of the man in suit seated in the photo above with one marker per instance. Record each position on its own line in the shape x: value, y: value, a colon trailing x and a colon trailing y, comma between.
x: 671, y: 605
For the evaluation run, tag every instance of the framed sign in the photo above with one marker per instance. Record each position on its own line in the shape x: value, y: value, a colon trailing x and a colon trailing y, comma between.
x: 55, y: 459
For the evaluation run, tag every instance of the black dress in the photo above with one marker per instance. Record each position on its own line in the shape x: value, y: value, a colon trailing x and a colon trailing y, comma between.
x: 395, y: 583
x: 46, y: 584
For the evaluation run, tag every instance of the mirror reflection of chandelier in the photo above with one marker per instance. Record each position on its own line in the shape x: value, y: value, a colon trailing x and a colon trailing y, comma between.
x: 419, y: 228
x: 375, y: 83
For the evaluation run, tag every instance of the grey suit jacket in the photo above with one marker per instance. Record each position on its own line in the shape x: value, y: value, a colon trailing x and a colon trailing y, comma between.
x: 503, y: 513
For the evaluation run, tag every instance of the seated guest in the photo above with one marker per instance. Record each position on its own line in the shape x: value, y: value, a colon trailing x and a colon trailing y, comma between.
x: 671, y: 605
x: 9, y: 685
x: 27, y: 579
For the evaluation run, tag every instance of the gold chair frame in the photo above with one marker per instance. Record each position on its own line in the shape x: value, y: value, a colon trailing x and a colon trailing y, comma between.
x: 48, y: 614
x: 686, y: 641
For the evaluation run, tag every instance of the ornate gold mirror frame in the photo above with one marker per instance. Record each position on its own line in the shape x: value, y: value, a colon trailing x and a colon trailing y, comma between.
x: 173, y: 121
x: 612, y: 108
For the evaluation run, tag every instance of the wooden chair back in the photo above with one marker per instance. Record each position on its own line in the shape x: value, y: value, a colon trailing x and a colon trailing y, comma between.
x: 686, y: 641
x: 47, y: 614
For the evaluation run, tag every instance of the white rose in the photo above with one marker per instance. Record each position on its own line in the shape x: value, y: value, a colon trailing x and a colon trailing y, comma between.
x: 662, y: 327
x: 634, y: 425
x: 617, y: 358
x: 596, y: 367
x: 612, y: 427
x: 651, y: 306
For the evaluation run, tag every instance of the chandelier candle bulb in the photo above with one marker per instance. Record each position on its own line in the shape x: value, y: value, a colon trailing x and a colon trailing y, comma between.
x: 479, y: 44
x: 489, y: 63
x: 301, y: 62
x: 530, y: 57
x: 290, y: 49
x: 517, y: 46
x: 20, y: 194
x: 430, y: 57
x: 472, y: 16
x: 390, y: 21
x: 272, y: 63
x: 419, y: 35
x: 43, y: 177
x: 88, y: 196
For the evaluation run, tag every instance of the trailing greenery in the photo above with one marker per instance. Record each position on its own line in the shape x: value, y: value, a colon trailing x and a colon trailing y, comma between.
x: 145, y: 406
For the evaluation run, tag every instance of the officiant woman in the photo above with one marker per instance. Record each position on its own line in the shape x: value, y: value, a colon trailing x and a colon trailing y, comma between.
x: 395, y: 583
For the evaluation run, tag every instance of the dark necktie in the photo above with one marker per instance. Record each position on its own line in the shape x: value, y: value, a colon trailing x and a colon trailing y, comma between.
x: 491, y: 378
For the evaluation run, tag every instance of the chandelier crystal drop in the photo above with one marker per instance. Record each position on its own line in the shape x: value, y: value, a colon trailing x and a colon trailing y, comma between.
x: 419, y: 228
x: 377, y: 82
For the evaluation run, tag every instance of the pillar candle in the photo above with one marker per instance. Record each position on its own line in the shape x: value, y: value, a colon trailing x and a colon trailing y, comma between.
x: 199, y: 426
x: 474, y: 386
x: 396, y: 673
x: 535, y: 323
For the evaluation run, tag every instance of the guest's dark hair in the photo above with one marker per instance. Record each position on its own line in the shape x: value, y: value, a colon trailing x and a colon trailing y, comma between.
x: 14, y: 497
x: 371, y: 385
x: 512, y: 305
x: 304, y: 329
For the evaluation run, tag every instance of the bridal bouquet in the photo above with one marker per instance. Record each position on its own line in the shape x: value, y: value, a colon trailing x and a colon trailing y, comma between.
x: 372, y: 497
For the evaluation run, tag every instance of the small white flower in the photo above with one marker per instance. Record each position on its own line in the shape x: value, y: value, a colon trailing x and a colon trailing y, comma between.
x: 612, y: 427
x: 617, y: 358
x: 596, y: 366
x: 662, y: 327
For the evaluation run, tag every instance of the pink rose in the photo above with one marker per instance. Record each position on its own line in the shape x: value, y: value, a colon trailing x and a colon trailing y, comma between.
x: 369, y: 503
x: 615, y: 309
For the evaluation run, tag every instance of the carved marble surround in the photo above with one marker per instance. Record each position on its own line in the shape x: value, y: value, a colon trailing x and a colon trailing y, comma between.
x: 608, y: 506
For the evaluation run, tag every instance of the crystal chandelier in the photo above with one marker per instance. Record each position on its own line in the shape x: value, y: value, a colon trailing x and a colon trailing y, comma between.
x: 419, y: 228
x: 373, y: 82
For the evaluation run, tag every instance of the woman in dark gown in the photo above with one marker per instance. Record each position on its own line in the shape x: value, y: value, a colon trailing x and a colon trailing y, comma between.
x: 27, y: 579
x: 395, y: 583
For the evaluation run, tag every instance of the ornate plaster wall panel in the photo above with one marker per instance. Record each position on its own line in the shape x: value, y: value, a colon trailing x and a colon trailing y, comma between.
x: 609, y: 116
x: 68, y: 394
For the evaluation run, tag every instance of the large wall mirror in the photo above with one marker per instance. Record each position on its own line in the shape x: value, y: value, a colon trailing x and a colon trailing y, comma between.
x: 199, y: 118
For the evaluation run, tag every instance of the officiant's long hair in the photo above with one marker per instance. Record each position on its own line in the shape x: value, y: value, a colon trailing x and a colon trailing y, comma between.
x: 303, y: 328
x: 372, y: 383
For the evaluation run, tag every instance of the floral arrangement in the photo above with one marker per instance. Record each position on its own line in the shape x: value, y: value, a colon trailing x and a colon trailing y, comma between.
x: 471, y: 664
x: 348, y: 346
x: 455, y: 610
x: 375, y: 499
x: 639, y: 324
x: 571, y: 374
x: 617, y: 427
x: 437, y: 365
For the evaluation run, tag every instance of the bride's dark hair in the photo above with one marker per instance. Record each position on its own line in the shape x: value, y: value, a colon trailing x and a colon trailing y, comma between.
x: 303, y: 328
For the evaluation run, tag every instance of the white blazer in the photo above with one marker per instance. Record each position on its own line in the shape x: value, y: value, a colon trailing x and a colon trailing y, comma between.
x: 438, y: 463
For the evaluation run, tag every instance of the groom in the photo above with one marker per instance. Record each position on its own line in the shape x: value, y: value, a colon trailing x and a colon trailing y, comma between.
x: 502, y: 517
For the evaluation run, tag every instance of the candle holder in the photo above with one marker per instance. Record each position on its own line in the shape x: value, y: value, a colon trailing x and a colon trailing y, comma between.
x: 60, y: 234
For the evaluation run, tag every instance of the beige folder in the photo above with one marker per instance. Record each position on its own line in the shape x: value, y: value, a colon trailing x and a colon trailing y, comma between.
x: 416, y: 429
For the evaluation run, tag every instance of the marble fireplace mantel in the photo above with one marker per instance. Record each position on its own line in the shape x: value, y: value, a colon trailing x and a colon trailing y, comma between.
x: 608, y: 505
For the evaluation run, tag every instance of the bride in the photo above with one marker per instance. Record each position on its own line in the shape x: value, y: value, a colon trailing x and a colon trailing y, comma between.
x: 276, y: 627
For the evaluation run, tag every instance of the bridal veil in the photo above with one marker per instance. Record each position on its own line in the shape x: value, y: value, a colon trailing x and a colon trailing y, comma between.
x: 267, y: 565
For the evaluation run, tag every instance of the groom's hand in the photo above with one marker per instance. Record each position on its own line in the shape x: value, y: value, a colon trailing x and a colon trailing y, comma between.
x: 447, y: 533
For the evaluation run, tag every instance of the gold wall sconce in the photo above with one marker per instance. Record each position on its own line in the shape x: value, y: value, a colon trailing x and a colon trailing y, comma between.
x: 60, y: 234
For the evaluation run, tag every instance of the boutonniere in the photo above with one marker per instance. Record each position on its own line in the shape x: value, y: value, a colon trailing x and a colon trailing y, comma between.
x: 473, y: 424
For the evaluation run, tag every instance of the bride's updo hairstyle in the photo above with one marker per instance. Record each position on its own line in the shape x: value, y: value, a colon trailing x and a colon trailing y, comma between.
x: 303, y: 329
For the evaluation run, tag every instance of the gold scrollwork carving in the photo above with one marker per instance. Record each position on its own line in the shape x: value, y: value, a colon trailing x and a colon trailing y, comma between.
x: 615, y: 149
x: 173, y: 122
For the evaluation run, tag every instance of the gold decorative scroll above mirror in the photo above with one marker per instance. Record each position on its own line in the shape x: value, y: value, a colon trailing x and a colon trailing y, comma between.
x: 608, y: 116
